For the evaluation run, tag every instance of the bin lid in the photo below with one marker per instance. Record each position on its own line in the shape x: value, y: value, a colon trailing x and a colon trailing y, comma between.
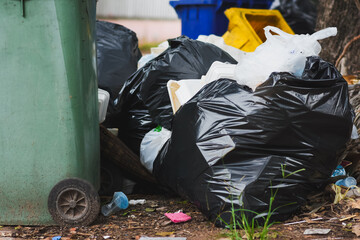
x: 239, y: 3
x: 175, y: 3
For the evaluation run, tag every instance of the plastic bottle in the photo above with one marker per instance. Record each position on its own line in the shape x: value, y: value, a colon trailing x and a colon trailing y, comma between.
x: 347, y: 182
x: 119, y: 201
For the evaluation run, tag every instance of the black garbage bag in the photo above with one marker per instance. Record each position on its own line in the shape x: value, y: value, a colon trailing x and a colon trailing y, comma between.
x: 299, y: 14
x: 230, y: 146
x: 144, y: 101
x: 117, y: 57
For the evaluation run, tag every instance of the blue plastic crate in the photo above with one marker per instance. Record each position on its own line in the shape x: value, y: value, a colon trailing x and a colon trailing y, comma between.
x: 205, y: 17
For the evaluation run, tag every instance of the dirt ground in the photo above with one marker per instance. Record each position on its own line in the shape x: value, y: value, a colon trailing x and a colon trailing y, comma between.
x: 343, y: 219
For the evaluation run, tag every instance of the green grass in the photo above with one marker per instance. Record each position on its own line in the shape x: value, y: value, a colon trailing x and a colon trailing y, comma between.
x: 250, y: 229
x: 146, y: 47
x: 241, y: 226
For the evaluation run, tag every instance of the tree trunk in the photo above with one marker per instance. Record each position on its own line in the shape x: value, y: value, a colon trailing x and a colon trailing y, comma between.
x: 345, y: 15
x: 343, y: 51
x: 352, y: 152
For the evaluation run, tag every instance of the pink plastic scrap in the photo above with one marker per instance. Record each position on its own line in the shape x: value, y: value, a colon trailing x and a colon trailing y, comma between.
x: 178, y: 217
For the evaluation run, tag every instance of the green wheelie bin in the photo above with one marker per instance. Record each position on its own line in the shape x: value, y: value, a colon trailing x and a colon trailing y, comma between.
x: 49, y: 145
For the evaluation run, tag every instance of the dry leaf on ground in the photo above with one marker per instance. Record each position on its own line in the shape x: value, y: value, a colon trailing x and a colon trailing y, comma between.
x: 356, y: 229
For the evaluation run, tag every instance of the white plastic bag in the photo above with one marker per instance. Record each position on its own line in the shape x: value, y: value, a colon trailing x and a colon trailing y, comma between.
x: 151, y: 145
x: 237, y: 54
x: 279, y: 53
x: 155, y: 51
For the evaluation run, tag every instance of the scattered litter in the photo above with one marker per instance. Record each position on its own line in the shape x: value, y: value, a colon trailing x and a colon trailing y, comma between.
x: 56, y: 238
x: 347, y: 218
x: 162, y: 238
x: 119, y: 201
x: 352, y: 193
x: 303, y: 221
x: 137, y: 201
x: 338, y: 193
x: 316, y: 231
x: 178, y: 217
x: 106, y: 237
x: 339, y: 171
x: 349, y: 182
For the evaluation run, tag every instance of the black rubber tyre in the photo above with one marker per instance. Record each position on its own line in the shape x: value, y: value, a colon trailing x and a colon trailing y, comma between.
x: 111, y: 178
x: 73, y: 202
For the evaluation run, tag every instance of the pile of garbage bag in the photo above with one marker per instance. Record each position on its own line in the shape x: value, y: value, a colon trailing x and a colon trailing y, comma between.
x: 234, y: 148
x: 144, y: 103
x: 267, y: 124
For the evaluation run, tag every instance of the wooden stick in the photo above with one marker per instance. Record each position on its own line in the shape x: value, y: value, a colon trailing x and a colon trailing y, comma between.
x: 345, y: 49
x: 347, y: 218
x: 357, y: 3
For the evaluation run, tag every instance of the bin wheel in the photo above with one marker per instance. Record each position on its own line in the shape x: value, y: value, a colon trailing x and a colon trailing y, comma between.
x: 73, y: 202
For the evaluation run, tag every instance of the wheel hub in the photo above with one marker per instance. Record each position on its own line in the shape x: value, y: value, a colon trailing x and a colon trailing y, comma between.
x: 71, y: 204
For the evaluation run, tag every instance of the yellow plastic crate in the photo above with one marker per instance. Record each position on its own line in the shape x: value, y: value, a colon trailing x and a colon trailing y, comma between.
x: 246, y: 27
